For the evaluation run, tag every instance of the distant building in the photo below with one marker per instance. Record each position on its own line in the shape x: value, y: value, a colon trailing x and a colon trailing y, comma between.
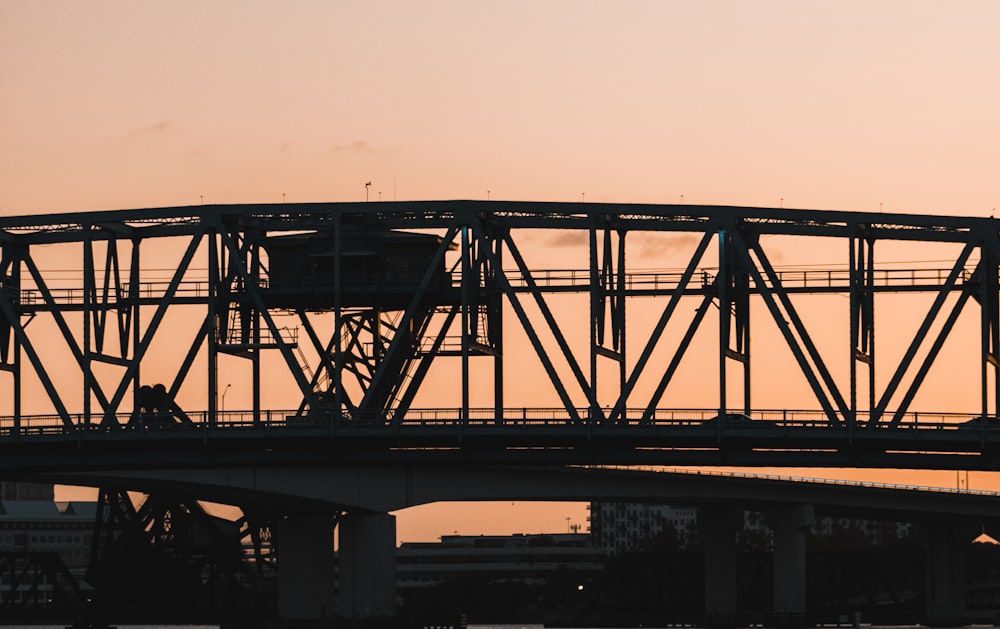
x: 38, y: 525
x: 34, y: 528
x: 526, y: 558
x: 10, y: 490
x: 619, y: 527
x: 871, y: 532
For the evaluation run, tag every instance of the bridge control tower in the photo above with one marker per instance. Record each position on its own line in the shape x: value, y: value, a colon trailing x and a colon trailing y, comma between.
x: 374, y: 268
x: 369, y: 276
x: 385, y: 287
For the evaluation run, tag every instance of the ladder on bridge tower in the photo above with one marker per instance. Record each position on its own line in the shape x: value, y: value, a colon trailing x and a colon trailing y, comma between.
x: 238, y: 335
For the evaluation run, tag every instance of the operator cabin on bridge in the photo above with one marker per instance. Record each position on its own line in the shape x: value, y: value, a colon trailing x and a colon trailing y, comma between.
x: 381, y: 268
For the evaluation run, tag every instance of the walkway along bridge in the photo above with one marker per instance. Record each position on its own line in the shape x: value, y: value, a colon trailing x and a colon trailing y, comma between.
x: 493, y: 332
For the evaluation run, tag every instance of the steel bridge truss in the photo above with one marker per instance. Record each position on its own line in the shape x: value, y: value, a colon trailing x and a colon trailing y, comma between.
x: 359, y: 330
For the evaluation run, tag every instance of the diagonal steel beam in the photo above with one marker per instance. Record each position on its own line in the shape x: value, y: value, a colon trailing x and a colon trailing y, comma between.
x: 60, y: 321
x: 675, y: 362
x: 151, y: 329
x: 189, y: 358
x: 252, y: 290
x: 423, y: 365
x: 925, y: 365
x: 800, y: 328
x: 533, y: 337
x: 786, y: 330
x: 617, y: 414
x: 918, y: 339
x: 7, y: 308
x: 408, y: 317
x: 549, y: 318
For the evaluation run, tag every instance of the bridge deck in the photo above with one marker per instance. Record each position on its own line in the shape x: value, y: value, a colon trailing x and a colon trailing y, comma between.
x: 517, y: 436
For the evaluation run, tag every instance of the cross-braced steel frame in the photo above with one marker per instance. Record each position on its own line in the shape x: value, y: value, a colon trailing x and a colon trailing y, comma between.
x: 373, y: 296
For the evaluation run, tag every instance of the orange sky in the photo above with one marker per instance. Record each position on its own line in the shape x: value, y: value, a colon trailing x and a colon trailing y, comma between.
x: 840, y: 105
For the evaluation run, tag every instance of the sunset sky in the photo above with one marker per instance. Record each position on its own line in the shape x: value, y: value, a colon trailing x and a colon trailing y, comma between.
x: 847, y: 105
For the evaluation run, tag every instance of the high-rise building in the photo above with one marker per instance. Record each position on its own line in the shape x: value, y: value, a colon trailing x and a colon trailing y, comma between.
x: 619, y: 527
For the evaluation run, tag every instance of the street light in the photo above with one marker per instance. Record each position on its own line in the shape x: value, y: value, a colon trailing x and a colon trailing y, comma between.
x: 224, y: 392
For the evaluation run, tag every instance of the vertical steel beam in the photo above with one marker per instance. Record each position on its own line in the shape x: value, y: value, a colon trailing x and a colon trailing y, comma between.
x: 16, y: 271
x: 88, y: 299
x: 986, y: 269
x: 338, y: 320
x: 215, y: 270
x: 468, y: 282
x: 618, y: 319
x: 725, y: 315
x: 135, y: 303
x: 255, y: 331
x: 596, y: 326
x: 533, y: 337
x: 495, y: 322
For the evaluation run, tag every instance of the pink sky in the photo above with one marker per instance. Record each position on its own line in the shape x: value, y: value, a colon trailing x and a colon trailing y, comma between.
x: 840, y: 105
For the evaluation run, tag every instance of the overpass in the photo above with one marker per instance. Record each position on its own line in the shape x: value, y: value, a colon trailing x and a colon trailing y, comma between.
x: 360, y: 497
x: 418, y: 335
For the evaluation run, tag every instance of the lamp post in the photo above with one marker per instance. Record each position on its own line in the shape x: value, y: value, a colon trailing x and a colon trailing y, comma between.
x: 224, y: 392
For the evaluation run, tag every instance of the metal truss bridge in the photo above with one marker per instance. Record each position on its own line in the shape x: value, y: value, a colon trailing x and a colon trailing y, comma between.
x: 498, y: 332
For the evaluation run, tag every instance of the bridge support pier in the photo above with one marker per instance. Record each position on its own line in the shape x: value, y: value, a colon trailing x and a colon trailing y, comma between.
x: 719, y: 527
x: 306, y: 567
x: 367, y: 568
x: 945, y: 572
x: 790, y: 525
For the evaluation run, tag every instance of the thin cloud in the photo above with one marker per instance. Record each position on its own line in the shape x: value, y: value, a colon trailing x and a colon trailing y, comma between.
x: 643, y: 244
x: 569, y: 238
x: 657, y: 245
x: 157, y: 127
x: 357, y: 146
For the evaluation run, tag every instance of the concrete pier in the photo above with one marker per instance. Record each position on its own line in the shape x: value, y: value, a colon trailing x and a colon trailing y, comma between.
x: 306, y: 576
x: 947, y: 544
x: 790, y: 525
x: 719, y: 526
x: 367, y: 568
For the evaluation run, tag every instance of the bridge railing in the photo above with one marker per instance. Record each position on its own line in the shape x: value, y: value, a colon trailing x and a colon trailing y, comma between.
x: 789, y: 278
x: 653, y: 281
x: 513, y: 418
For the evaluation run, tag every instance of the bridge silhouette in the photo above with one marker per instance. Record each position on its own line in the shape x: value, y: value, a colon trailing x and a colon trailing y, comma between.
x: 425, y: 333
